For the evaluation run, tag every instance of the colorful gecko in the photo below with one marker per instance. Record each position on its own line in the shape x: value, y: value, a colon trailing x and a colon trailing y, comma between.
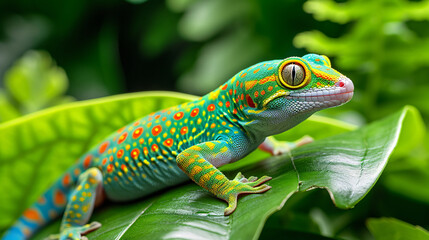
x: 190, y: 141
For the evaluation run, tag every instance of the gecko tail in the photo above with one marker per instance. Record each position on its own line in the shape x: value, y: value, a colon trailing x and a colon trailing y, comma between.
x: 48, y: 207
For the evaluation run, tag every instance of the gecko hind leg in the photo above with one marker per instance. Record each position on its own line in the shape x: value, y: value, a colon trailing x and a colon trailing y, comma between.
x: 275, y: 147
x: 79, y: 207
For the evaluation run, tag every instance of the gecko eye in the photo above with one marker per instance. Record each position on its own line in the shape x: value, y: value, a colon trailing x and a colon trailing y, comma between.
x: 293, y: 74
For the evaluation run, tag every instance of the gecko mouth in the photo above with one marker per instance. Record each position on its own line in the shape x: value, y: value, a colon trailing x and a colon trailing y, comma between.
x: 341, y: 93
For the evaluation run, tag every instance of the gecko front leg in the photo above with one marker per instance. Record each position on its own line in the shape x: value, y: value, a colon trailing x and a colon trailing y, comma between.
x: 79, y: 207
x: 275, y: 147
x: 196, y: 162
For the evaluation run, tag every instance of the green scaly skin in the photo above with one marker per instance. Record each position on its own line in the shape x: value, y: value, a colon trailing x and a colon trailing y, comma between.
x: 190, y: 141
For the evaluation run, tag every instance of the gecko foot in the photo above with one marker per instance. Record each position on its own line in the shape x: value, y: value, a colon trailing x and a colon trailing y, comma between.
x: 75, y: 233
x: 282, y: 147
x: 241, y: 185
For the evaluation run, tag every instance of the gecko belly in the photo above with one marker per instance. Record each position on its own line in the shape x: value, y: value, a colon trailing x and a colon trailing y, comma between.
x: 135, y: 182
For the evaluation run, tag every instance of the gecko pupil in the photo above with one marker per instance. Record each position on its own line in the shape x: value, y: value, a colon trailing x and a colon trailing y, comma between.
x: 293, y: 74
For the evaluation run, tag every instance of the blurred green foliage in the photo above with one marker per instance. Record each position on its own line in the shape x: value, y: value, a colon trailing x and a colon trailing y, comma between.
x: 386, y: 228
x: 34, y: 82
x: 385, y: 49
x: 109, y: 47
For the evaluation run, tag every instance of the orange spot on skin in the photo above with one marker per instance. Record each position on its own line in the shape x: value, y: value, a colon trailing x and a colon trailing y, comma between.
x: 141, y: 140
x: 256, y: 94
x: 77, y: 172
x: 270, y: 88
x: 66, y: 180
x: 234, y: 111
x: 220, y: 104
x: 250, y: 84
x: 227, y: 104
x: 120, y: 153
x: 172, y: 130
x: 111, y: 158
x: 149, y: 124
x: 224, y: 87
x: 168, y: 142
x: 157, y: 116
x: 230, y: 91
x: 164, y: 118
x: 104, y: 161
x: 271, y: 78
x: 156, y: 130
x: 59, y: 198
x: 32, y: 215
x: 145, y: 151
x: 213, y: 125
x: 110, y: 168
x: 256, y: 71
x: 154, y: 147
x: 317, y: 60
x: 211, y: 107
x: 184, y: 130
x: 87, y: 161
x: 178, y: 116
x: 243, y: 75
x: 103, y: 147
x: 122, y: 138
x: 137, y: 132
x: 263, y: 92
x: 124, y: 168
x: 135, y: 153
x: 195, y: 112
x: 121, y: 129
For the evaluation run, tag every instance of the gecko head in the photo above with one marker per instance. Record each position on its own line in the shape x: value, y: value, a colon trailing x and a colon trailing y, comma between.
x: 293, y: 88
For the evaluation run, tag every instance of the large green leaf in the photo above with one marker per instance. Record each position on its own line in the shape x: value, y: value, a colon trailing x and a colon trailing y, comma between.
x: 394, y: 229
x: 188, y: 210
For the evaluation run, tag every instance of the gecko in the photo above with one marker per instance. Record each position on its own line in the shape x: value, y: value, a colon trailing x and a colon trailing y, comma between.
x: 190, y: 141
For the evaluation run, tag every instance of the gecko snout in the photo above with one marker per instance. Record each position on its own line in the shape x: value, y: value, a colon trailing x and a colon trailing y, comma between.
x: 346, y: 84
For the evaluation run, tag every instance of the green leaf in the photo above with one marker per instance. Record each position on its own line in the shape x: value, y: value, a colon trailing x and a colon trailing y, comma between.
x: 7, y: 110
x: 394, y: 229
x: 30, y: 163
x: 350, y: 163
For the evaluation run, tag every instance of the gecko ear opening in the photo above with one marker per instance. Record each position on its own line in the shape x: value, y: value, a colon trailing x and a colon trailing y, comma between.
x: 293, y: 74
